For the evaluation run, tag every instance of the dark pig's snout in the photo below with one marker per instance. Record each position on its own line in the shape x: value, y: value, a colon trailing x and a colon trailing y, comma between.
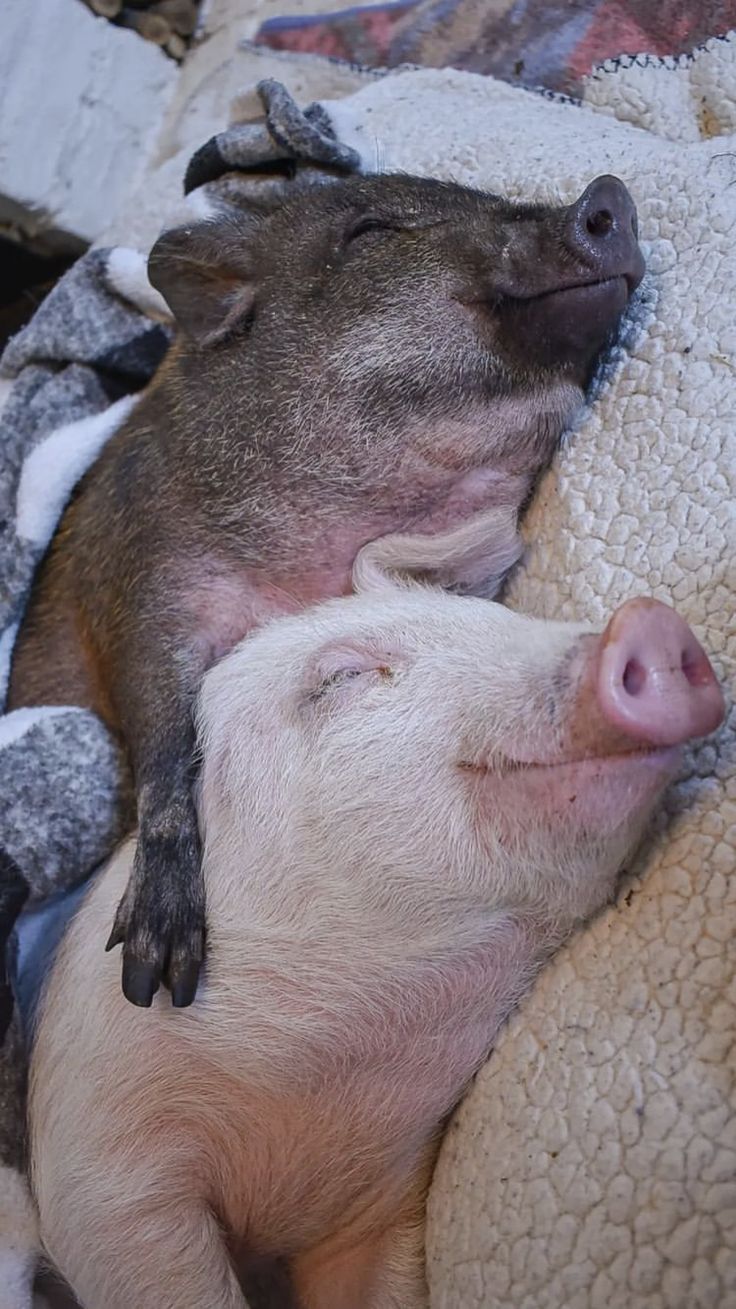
x: 602, y: 230
x: 568, y: 283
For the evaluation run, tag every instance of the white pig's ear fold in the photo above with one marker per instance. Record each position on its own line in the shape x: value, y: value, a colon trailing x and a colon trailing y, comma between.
x: 204, y: 275
x: 342, y: 665
x: 480, y: 551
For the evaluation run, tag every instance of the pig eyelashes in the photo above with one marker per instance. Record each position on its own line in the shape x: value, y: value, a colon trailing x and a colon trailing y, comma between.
x: 334, y: 681
x: 376, y: 225
x: 370, y: 225
x: 341, y: 677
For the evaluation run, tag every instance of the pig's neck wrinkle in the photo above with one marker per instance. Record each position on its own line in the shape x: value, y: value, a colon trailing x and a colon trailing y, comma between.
x: 393, y: 1005
x: 282, y: 498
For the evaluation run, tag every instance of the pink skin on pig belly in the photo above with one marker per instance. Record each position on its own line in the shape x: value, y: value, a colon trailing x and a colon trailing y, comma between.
x: 367, y: 1077
x: 225, y: 603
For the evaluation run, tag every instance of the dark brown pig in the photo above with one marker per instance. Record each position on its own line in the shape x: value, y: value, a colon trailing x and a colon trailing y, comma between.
x: 382, y: 355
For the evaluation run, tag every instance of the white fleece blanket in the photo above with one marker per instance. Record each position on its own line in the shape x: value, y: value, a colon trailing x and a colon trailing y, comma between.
x: 593, y: 1164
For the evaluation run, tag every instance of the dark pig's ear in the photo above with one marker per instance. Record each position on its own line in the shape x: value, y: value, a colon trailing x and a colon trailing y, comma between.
x: 205, y: 276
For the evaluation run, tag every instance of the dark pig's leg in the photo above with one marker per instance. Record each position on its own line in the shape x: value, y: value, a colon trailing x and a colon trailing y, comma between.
x: 160, y: 921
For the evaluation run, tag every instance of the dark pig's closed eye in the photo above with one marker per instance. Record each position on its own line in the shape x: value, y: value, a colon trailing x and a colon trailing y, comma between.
x: 371, y: 225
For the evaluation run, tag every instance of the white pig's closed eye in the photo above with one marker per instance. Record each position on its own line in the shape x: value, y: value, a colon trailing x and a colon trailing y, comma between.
x: 336, y: 680
x: 339, y: 666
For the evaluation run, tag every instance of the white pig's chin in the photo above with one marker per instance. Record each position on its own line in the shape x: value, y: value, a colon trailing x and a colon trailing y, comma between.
x: 598, y: 794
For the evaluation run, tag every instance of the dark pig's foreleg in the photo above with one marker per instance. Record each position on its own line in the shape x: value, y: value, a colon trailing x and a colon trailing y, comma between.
x: 161, y: 919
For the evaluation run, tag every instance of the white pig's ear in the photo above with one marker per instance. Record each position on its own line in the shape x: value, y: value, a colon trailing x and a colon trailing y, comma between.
x: 342, y: 664
x: 203, y: 273
x: 474, y: 557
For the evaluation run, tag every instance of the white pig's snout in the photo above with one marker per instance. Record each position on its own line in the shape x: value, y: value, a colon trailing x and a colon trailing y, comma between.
x: 654, y: 681
x: 645, y: 683
x: 598, y: 742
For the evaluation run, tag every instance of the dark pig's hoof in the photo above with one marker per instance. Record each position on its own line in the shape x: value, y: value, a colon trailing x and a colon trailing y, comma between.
x: 155, y: 950
x: 140, y: 981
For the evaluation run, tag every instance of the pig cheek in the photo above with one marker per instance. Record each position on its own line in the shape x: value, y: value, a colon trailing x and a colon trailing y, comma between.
x: 566, y: 802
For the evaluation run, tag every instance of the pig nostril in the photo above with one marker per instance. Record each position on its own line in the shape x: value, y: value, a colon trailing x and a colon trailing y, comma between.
x: 634, y: 677
x: 696, y: 671
x: 600, y: 223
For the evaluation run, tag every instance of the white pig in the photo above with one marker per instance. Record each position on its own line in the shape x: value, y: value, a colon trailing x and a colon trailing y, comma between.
x: 407, y: 800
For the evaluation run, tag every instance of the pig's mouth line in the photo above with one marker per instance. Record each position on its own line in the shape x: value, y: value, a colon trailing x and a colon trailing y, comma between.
x: 572, y: 287
x: 505, y: 767
x: 503, y: 300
